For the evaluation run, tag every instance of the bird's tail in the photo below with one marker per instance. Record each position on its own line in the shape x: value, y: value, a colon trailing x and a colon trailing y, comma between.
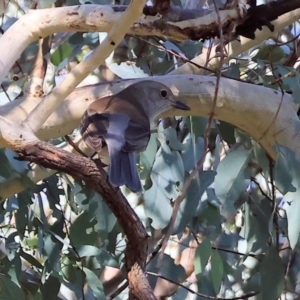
x: 123, y: 170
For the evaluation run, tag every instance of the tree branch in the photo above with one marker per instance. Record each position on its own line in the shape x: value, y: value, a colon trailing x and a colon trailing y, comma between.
x: 92, y: 18
x: 236, y: 47
x: 45, y: 108
x: 238, y: 103
x: 29, y: 148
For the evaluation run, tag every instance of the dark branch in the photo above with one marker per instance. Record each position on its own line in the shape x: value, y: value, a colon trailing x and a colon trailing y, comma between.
x: 92, y: 173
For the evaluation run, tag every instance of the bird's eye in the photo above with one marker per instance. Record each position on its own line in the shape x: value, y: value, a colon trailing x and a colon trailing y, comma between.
x: 163, y: 93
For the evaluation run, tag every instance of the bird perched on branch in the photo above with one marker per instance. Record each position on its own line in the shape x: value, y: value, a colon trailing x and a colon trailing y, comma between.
x: 122, y: 123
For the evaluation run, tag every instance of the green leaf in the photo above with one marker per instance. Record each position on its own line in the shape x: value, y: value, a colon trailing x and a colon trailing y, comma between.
x: 197, y: 125
x: 9, y: 290
x: 294, y: 85
x: 22, y: 213
x: 291, y: 169
x: 167, y: 268
x: 18, y: 166
x: 192, y: 153
x: 172, y: 139
x: 203, y: 252
x: 192, y: 48
x: 82, y: 230
x: 269, y: 53
x: 76, y: 38
x: 51, y: 288
x: 147, y: 157
x: 88, y: 250
x: 233, y: 177
x: 68, y: 271
x: 191, y: 205
x: 106, y: 220
x: 233, y: 71
x: 168, y: 171
x: 157, y: 207
x: 167, y: 177
x: 205, y: 287
x: 63, y: 51
x: 282, y: 176
x: 211, y: 217
x: 95, y: 284
x: 227, y: 132
x: 6, y: 169
x: 255, y: 229
x: 126, y: 71
x: 217, y: 271
x: 52, y: 251
x: 292, y: 213
x: 272, y: 275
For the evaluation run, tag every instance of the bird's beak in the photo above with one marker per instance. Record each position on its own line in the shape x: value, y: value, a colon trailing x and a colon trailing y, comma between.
x: 180, y: 105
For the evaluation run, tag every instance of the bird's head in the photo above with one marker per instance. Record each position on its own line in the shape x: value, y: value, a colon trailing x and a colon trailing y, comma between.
x: 157, y: 98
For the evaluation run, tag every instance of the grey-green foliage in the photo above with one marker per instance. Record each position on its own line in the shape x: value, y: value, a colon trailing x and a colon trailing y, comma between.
x: 59, y: 233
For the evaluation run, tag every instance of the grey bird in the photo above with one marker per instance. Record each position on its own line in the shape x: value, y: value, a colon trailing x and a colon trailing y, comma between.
x: 122, y: 122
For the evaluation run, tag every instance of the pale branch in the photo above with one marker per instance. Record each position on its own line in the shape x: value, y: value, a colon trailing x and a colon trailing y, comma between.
x: 34, y: 85
x: 96, y: 18
x: 235, y: 48
x: 247, y: 106
x: 38, y: 24
x: 238, y: 103
x: 45, y: 108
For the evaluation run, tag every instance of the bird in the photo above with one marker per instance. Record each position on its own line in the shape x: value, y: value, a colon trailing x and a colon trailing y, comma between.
x: 122, y: 123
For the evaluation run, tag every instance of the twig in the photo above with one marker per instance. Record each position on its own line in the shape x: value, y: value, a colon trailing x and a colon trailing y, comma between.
x: 200, y: 294
x: 70, y: 141
x: 199, y: 165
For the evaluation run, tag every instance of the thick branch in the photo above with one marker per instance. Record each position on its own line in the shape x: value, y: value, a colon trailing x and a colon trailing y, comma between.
x: 95, y: 177
x: 235, y: 48
x: 238, y: 103
x: 45, y: 108
x: 92, y: 18
x: 262, y: 112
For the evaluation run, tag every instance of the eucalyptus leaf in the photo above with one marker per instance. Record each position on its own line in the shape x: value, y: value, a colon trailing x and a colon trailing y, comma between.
x: 168, y: 171
x: 282, y: 172
x: 61, y: 53
x: 127, y: 70
x: 9, y: 290
x: 94, y: 283
x: 82, y: 230
x: 233, y: 177
x: 192, y: 153
x: 50, y: 288
x: 157, y: 207
x: 269, y: 53
x: 203, y: 253
x: 272, y: 275
x: 289, y: 165
x: 217, y: 270
x: 170, y: 135
x: 167, y: 268
x: 147, y: 157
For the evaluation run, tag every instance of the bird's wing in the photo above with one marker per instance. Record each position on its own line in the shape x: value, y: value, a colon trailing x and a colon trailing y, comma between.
x: 93, y: 128
x: 137, y: 136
